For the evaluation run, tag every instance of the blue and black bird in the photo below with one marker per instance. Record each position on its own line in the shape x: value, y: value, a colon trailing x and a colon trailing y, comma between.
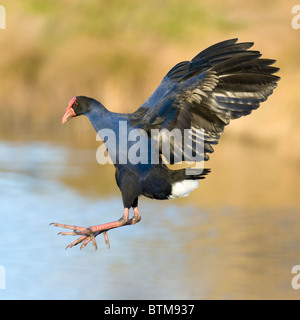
x: 223, y: 82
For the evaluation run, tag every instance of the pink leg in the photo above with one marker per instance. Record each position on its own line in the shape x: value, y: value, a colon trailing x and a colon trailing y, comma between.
x: 89, y: 234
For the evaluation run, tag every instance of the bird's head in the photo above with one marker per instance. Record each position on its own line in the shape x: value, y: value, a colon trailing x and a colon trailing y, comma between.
x: 76, y: 107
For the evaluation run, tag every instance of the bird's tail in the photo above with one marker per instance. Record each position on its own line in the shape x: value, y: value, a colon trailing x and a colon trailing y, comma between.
x: 181, y: 174
x: 184, y: 183
x: 201, y: 175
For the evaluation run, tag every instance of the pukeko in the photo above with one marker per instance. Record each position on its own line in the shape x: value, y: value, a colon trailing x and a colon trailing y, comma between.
x: 223, y: 82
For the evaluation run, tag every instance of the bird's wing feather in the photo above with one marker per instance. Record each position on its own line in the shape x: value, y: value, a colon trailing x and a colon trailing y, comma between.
x: 186, y: 69
x: 223, y: 82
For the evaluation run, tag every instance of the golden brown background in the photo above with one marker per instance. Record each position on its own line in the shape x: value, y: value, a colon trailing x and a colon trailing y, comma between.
x: 238, y: 235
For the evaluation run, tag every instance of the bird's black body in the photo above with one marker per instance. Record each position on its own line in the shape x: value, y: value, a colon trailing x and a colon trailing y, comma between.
x: 155, y: 183
x: 223, y: 82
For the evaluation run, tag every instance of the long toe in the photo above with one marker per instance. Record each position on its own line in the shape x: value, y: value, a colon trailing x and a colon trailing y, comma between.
x: 86, y: 235
x: 90, y: 233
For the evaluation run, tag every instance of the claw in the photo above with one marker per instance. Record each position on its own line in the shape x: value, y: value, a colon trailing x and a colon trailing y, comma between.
x: 87, y: 235
x: 74, y: 233
x: 86, y: 242
x: 106, y: 239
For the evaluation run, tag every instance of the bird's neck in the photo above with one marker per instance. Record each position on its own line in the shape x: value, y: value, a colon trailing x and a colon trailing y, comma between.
x: 101, y: 118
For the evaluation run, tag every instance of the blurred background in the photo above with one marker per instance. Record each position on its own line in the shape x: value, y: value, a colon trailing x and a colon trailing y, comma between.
x: 235, y: 237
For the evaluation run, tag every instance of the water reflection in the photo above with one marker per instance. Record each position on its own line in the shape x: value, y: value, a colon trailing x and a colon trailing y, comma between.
x: 180, y: 250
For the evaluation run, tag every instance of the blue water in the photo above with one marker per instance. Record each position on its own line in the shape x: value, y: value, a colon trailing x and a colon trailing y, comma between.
x: 35, y: 262
x: 177, y: 251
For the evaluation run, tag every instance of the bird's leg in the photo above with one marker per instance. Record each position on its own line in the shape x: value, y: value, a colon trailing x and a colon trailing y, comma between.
x: 90, y: 233
x: 136, y: 216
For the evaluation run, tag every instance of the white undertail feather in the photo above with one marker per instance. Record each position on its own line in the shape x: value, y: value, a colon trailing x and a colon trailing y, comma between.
x: 183, y: 188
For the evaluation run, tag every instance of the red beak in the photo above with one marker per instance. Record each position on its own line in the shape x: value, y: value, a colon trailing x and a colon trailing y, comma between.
x: 69, y: 113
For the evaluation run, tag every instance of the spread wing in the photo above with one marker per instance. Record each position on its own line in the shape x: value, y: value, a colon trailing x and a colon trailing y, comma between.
x: 223, y: 82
